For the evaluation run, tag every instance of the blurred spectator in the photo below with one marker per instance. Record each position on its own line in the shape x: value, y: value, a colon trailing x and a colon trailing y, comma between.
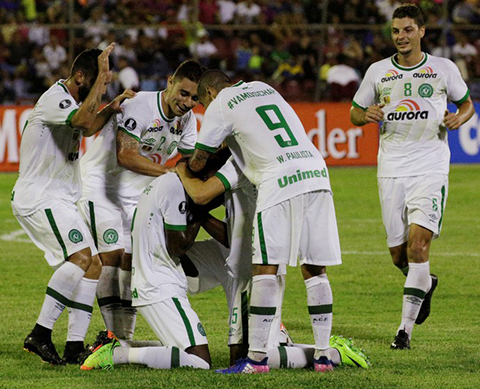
x: 226, y: 11
x: 203, y: 49
x: 442, y: 49
x: 386, y: 8
x: 464, y: 55
x: 466, y: 11
x: 55, y: 54
x: 342, y: 80
x: 37, y: 33
x: 248, y: 12
x: 207, y: 11
x: 127, y: 75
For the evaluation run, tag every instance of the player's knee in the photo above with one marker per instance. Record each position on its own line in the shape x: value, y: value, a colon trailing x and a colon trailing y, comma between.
x: 201, y: 351
x: 418, y: 251
x: 309, y: 271
x: 82, y: 258
x: 95, y: 267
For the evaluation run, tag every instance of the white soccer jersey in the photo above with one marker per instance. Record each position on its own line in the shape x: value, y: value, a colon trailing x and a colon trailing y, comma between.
x: 158, y: 137
x: 267, y: 141
x: 162, y: 205
x: 48, y: 153
x: 240, y: 201
x: 413, y: 138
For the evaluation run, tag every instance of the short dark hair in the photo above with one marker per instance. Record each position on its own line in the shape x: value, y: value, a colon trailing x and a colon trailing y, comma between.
x: 409, y: 10
x: 213, y: 78
x: 189, y: 69
x: 87, y: 63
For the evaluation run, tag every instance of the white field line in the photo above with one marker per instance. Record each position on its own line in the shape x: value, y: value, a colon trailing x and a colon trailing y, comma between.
x: 15, y: 237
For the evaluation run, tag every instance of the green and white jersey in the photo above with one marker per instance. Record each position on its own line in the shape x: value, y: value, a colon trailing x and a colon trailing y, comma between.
x: 413, y: 138
x: 158, y: 139
x: 49, y: 153
x: 267, y: 140
x: 162, y: 205
x: 240, y: 201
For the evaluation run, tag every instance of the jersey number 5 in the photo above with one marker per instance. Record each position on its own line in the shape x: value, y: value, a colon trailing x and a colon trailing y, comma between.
x: 280, y: 122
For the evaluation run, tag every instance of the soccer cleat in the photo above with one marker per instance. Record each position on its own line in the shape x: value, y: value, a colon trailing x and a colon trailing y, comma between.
x: 246, y: 366
x: 44, y: 349
x: 74, y: 353
x: 349, y: 354
x: 102, y: 338
x: 401, y: 342
x: 323, y: 364
x: 425, y: 308
x: 101, y: 356
x: 284, y: 337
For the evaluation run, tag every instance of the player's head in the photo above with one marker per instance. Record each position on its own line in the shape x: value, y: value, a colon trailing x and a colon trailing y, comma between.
x: 181, y: 94
x: 84, y: 71
x: 210, y: 85
x: 408, y: 28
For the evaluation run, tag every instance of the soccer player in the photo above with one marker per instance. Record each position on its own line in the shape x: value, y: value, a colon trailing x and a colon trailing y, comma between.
x: 44, y: 197
x: 408, y: 93
x: 128, y: 154
x: 295, y: 215
x: 160, y: 235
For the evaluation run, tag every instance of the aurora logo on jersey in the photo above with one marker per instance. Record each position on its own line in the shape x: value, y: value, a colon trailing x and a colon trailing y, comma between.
x: 426, y: 72
x: 391, y: 75
x: 407, y: 110
x: 300, y: 176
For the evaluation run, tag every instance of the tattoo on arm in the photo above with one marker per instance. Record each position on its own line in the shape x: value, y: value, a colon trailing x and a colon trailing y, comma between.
x: 91, y: 107
x: 198, y: 160
x: 126, y: 142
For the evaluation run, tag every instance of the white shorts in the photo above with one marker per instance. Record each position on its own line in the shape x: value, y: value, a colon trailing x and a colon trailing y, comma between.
x: 175, y: 323
x: 59, y: 231
x: 405, y: 200
x: 303, y: 227
x: 109, y: 223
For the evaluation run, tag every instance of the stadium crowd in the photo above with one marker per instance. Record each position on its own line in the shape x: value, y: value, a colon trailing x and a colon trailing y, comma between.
x: 283, y: 46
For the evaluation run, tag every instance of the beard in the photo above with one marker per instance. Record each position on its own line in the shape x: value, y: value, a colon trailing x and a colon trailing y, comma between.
x: 83, y: 92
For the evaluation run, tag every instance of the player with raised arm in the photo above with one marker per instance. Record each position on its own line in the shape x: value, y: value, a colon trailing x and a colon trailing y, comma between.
x: 45, y: 195
x: 128, y: 154
x: 294, y: 206
x: 408, y: 92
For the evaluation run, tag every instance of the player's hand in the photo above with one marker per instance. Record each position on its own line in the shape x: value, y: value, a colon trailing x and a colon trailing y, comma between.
x: 103, y: 64
x: 115, y: 105
x: 374, y: 114
x: 451, y: 120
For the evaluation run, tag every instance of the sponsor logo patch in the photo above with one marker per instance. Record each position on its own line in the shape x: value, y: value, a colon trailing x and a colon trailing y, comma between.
x: 130, y: 124
x: 75, y: 236
x: 201, y: 329
x: 426, y: 72
x: 182, y: 207
x: 391, y: 75
x: 425, y: 90
x: 110, y: 236
x: 64, y: 104
x: 407, y: 110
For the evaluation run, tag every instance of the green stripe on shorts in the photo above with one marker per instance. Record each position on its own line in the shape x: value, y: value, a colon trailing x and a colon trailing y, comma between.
x: 320, y: 309
x: 261, y: 237
x: 244, y: 305
x: 442, y: 204
x: 93, y: 225
x: 188, y: 327
x: 51, y: 220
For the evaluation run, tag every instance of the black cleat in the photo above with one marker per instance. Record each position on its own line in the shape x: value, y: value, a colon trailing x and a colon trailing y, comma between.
x: 427, y: 302
x: 74, y: 353
x: 401, y: 342
x: 45, y: 349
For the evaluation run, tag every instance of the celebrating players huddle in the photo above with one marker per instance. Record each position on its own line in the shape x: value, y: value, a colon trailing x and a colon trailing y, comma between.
x: 119, y: 225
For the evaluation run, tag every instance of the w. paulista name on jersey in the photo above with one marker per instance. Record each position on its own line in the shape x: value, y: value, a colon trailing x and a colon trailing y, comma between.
x: 413, y: 138
x: 144, y: 120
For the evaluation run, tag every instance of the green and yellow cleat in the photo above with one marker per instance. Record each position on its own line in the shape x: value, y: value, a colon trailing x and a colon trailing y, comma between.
x: 102, y: 356
x: 349, y: 354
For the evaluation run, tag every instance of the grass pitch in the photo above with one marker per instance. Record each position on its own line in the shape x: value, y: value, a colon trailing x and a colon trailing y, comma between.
x: 367, y: 305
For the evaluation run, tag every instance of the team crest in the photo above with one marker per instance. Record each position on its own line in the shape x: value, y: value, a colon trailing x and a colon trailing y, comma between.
x: 75, y: 236
x: 182, y: 207
x: 64, y: 104
x: 130, y: 124
x: 201, y: 329
x: 425, y: 90
x: 110, y: 236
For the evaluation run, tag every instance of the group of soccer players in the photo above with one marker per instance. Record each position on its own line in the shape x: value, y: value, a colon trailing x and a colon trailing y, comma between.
x: 119, y: 225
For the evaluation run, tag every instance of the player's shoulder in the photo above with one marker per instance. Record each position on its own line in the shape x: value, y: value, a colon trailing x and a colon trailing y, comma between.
x: 441, y: 62
x: 379, y: 67
x: 167, y: 183
x: 58, y: 92
x: 141, y: 99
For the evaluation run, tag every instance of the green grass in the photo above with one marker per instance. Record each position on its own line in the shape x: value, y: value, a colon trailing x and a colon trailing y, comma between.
x: 367, y: 305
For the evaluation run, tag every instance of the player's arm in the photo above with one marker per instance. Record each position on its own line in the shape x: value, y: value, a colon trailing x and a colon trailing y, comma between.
x: 87, y: 113
x: 201, y: 192
x: 465, y: 111
x: 360, y: 117
x: 129, y: 157
x: 217, y: 229
x: 179, y: 242
x: 198, y: 160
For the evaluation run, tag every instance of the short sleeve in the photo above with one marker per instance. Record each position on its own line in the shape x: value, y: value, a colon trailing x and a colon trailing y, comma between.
x: 231, y: 176
x: 457, y: 89
x: 214, y: 128
x: 59, y: 106
x: 366, y: 94
x: 189, y: 135
x: 135, y: 116
x: 172, y: 202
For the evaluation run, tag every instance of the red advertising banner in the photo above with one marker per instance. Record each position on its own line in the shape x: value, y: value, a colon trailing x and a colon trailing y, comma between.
x: 327, y: 125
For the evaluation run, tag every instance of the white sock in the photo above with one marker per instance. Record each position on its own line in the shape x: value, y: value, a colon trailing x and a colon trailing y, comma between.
x: 263, y: 305
x: 417, y: 284
x: 129, y: 313
x: 80, y: 309
x: 319, y: 301
x: 108, y: 297
x: 274, y: 336
x: 297, y: 356
x: 157, y: 357
x: 59, y: 292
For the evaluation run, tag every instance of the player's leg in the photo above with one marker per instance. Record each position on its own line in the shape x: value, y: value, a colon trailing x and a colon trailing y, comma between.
x: 60, y: 232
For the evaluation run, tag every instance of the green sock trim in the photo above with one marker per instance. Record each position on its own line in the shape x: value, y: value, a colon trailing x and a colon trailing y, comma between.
x: 320, y: 309
x: 414, y: 292
x: 175, y: 357
x: 263, y: 310
x: 283, y: 357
